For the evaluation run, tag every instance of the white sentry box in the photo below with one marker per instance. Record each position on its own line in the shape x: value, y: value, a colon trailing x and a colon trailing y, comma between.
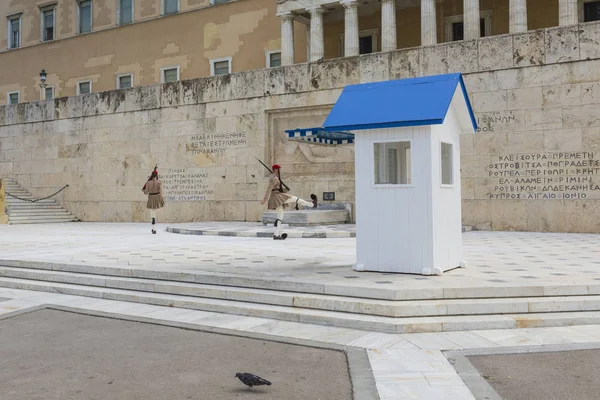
x: 407, y: 155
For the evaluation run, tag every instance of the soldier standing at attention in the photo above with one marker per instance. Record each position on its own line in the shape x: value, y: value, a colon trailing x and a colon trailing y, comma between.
x: 278, y: 199
x: 153, y: 189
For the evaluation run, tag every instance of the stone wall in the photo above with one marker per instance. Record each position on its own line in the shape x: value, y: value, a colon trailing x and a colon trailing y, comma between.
x: 535, y: 95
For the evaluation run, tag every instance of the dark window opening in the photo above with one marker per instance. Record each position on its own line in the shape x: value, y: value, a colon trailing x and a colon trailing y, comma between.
x: 458, y: 30
x: 591, y: 11
x: 365, y: 45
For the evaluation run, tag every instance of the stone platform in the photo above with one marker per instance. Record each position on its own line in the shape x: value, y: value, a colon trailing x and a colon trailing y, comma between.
x: 324, y: 214
x: 257, y: 229
x: 514, y: 279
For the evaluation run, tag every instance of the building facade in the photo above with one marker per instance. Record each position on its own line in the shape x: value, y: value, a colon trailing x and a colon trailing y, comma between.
x: 98, y: 45
x: 533, y: 164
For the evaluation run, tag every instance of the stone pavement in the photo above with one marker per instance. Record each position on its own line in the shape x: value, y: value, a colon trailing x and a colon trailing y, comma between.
x: 495, y: 259
x: 405, y: 366
x: 118, y: 359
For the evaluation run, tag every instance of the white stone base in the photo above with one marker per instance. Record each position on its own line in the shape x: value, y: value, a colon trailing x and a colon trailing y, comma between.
x: 308, y: 217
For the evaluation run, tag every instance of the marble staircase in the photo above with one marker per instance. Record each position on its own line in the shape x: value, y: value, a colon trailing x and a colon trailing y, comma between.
x: 392, y: 310
x: 40, y: 212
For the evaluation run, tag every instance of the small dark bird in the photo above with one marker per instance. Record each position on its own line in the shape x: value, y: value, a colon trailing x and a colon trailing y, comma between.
x: 251, y: 380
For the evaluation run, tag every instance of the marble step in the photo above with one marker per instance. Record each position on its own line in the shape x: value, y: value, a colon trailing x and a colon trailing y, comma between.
x: 48, y: 216
x: 333, y: 289
x: 328, y: 318
x: 309, y: 217
x: 33, y: 206
x: 41, y: 211
x: 386, y: 308
x: 42, y: 221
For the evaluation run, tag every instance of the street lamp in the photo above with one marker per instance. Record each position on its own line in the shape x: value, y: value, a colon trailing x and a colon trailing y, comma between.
x: 43, y: 77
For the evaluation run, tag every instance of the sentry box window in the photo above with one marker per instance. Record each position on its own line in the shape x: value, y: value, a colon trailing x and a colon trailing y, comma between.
x: 446, y: 162
x: 392, y: 163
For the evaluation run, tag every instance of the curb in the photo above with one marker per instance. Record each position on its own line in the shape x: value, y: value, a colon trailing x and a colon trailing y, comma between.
x: 252, y: 234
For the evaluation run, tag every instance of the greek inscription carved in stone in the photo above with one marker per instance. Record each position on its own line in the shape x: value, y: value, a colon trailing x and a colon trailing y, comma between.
x: 209, y: 143
x: 487, y: 123
x: 187, y: 184
x: 563, y: 175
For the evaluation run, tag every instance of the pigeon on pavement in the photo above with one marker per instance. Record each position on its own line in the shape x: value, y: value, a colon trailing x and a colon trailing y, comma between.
x: 251, y: 380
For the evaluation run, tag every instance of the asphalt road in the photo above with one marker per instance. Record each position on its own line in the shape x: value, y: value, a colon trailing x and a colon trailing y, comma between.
x: 565, y: 375
x: 59, y: 355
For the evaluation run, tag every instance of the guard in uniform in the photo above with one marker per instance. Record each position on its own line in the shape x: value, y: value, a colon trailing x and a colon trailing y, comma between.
x: 153, y: 189
x: 278, y: 199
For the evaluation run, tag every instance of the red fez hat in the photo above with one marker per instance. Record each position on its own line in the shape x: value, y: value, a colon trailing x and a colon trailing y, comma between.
x: 155, y: 171
x: 275, y: 166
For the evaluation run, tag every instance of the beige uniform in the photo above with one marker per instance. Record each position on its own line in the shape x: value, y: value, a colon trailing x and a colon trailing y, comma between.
x: 153, y: 189
x: 275, y: 197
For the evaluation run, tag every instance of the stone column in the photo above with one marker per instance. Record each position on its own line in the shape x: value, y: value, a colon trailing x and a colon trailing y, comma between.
x: 388, y: 25
x: 567, y: 12
x: 350, y: 28
x: 471, y: 19
x: 316, y: 33
x: 3, y: 216
x: 518, y: 16
x: 287, y: 38
x: 307, y: 42
x: 428, y: 23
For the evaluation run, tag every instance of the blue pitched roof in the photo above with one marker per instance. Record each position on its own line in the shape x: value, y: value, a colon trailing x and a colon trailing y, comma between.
x: 405, y: 102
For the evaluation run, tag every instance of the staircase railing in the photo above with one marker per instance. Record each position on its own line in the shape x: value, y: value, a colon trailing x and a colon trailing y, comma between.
x: 40, y: 199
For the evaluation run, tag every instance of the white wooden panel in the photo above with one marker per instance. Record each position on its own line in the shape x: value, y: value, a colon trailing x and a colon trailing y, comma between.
x: 392, y: 223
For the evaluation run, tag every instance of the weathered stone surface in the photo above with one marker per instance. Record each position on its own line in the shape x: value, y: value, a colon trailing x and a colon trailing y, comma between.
x: 189, y: 91
x: 521, y: 142
x: 248, y: 84
x: 2, y: 115
x: 523, y: 99
x: 405, y: 64
x: 274, y: 81
x: 171, y: 94
x: 90, y: 104
x: 561, y: 95
x: 546, y: 216
x: 374, y: 67
x: 477, y: 213
x: 434, y: 60
x: 489, y: 101
x: 545, y: 118
x: 478, y: 82
x: 490, y: 144
x: 506, y: 79
x: 297, y: 78
x: 529, y: 49
x: 584, y: 116
x: 509, y: 215
x: 495, y: 52
x: 589, y: 41
x: 582, y: 216
x: 334, y: 74
x: 563, y: 140
x: 34, y: 112
x: 562, y: 44
x: 590, y: 93
x: 75, y: 107
x: 462, y: 56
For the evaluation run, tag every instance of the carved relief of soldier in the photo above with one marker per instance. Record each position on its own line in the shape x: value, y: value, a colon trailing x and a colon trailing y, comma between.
x: 153, y: 189
x: 278, y: 199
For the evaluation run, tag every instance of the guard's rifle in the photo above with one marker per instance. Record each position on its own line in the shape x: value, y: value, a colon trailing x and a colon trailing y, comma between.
x: 271, y: 171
